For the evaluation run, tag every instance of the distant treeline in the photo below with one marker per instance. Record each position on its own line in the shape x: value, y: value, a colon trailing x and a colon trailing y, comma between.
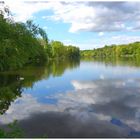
x: 125, y: 50
x: 27, y: 43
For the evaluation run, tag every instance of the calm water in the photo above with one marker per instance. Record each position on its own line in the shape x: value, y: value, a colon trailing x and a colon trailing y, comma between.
x: 87, y: 98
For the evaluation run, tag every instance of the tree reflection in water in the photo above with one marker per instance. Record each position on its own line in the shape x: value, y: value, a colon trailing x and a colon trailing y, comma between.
x: 10, y: 89
x: 12, y: 82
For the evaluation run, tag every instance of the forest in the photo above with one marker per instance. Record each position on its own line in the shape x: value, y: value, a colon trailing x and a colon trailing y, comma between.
x: 124, y: 50
x: 26, y: 43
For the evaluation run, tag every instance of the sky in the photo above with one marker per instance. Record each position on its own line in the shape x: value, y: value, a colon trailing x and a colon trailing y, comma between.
x: 86, y: 24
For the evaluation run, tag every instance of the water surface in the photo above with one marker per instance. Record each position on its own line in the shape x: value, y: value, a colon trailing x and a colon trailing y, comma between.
x: 87, y: 98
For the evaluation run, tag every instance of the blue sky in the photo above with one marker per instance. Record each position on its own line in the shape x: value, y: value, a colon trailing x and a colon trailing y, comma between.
x: 86, y: 24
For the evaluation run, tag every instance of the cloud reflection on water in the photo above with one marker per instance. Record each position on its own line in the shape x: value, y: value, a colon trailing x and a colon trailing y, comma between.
x: 113, y: 104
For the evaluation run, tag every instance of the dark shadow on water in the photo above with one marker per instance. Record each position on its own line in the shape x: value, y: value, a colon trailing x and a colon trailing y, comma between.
x: 65, y: 125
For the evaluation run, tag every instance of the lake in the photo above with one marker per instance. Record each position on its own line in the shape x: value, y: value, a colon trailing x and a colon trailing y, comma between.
x: 74, y: 98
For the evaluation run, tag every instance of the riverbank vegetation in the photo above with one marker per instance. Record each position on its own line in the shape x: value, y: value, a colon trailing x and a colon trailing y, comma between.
x: 13, y: 131
x: 125, y: 50
x: 27, y: 43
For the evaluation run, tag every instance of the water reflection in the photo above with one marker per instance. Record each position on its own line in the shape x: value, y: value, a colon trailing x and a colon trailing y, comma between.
x: 101, y: 107
x: 13, y: 82
x: 115, y: 61
x: 93, y: 104
x: 10, y: 89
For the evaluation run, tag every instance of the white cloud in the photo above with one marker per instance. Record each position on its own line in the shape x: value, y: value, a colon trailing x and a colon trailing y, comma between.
x: 24, y: 10
x: 83, y: 16
x: 125, y: 39
x: 101, y: 33
x: 97, y: 16
x: 45, y: 27
x: 100, y: 17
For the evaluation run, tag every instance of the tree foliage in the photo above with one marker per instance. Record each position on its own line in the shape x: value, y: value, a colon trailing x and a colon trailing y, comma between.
x: 129, y: 50
x: 19, y: 44
x: 26, y: 43
x: 14, y: 131
x: 59, y: 50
